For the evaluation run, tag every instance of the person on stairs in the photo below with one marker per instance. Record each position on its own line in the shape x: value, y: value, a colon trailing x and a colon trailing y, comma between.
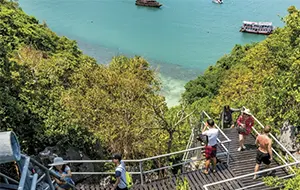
x: 264, y: 151
x: 211, y: 147
x: 226, y: 116
x: 245, y: 123
x: 61, y: 169
x: 120, y: 173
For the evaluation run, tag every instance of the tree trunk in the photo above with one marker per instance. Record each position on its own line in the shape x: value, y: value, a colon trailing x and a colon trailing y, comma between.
x: 170, y: 142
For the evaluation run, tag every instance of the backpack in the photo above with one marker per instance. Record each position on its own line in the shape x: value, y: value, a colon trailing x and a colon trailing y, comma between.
x: 128, y: 179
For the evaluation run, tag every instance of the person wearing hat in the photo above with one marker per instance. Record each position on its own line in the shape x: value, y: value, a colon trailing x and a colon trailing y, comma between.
x: 61, y: 169
x: 245, y: 122
x: 120, y: 173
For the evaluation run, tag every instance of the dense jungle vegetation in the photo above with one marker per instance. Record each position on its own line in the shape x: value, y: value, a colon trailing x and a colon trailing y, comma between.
x: 51, y: 93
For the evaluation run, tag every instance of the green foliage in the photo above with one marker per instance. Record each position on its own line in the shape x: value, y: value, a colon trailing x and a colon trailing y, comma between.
x: 113, y: 102
x: 285, y: 184
x: 264, y: 77
x: 182, y: 184
x: 261, y: 76
x: 208, y: 84
x: 52, y: 94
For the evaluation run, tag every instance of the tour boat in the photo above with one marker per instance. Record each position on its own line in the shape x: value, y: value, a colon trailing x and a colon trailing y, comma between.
x: 148, y: 3
x: 257, y: 27
x: 218, y: 1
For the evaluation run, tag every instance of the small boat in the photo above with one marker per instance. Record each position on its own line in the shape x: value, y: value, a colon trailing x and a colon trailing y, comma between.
x: 218, y: 1
x: 148, y: 3
x: 257, y: 27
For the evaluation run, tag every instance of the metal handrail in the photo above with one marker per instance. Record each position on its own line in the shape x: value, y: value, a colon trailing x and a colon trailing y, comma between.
x: 136, y: 173
x: 24, y: 173
x: 191, y: 138
x: 275, y: 139
x: 49, y: 172
x: 273, y: 150
x: 140, y: 161
x: 217, y: 126
x: 271, y: 169
x: 9, y: 178
x: 222, y: 142
x: 251, y: 174
x: 227, y: 138
x: 185, y: 156
x: 261, y: 183
x: 34, y: 182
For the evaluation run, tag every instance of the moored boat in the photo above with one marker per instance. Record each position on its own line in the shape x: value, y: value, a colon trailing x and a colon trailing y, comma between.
x: 218, y: 1
x: 257, y: 27
x: 148, y: 3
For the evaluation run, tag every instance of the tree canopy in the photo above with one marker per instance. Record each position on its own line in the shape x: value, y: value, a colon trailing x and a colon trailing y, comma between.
x: 261, y: 76
x: 51, y: 93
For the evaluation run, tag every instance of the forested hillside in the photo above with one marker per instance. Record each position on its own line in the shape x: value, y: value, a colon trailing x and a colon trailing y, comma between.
x: 263, y: 76
x: 53, y: 94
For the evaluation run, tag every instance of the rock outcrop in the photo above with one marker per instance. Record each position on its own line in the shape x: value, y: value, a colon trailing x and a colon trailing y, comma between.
x: 288, y: 138
x: 49, y: 153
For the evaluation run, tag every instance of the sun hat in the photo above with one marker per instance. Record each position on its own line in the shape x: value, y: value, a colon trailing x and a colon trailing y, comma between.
x: 57, y: 161
x: 247, y: 111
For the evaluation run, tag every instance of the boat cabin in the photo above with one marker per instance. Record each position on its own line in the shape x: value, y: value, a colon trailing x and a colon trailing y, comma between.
x: 257, y: 27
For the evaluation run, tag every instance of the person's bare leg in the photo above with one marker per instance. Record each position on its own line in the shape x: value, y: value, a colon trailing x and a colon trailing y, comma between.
x: 268, y: 167
x: 256, y: 170
x: 241, y: 141
x: 214, y: 163
x: 244, y: 138
x: 207, y: 163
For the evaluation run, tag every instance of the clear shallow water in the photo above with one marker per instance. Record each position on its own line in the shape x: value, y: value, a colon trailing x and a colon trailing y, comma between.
x: 181, y: 39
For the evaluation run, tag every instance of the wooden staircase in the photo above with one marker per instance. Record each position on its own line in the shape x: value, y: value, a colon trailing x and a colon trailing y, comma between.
x: 240, y: 163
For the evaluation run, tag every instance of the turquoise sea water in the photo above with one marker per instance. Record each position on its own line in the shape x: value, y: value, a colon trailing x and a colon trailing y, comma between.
x: 181, y: 39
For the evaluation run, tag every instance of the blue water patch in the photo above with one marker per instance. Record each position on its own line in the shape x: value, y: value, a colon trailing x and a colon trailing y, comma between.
x: 182, y: 38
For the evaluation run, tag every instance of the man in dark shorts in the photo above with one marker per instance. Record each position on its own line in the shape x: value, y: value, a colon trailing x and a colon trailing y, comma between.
x: 264, y: 151
x: 211, y: 147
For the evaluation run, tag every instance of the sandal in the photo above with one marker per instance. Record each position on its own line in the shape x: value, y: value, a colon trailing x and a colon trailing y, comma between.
x: 205, y: 172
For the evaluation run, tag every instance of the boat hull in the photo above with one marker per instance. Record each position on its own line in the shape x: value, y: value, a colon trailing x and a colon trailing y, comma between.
x: 217, y: 2
x: 256, y: 32
x: 148, y: 4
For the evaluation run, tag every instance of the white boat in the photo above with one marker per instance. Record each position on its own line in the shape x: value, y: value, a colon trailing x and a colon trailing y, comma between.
x: 257, y: 27
x: 218, y: 1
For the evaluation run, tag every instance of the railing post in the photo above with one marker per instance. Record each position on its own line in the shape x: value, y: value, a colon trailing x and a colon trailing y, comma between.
x: 24, y: 173
x: 48, y: 178
x: 202, y: 119
x: 34, y: 182
x: 228, y: 153
x: 5, y: 180
x: 141, y: 170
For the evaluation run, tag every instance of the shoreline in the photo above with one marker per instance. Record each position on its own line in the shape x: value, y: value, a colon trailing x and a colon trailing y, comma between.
x: 173, y: 77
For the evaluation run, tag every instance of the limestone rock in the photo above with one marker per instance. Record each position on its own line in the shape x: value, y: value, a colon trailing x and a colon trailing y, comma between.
x: 288, y: 136
x: 49, y: 153
x: 297, y: 155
